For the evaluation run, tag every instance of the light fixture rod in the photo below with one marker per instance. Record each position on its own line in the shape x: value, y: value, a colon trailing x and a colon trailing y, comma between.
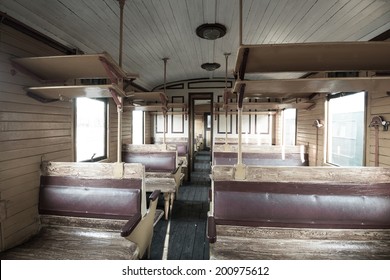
x: 226, y: 110
x: 165, y: 59
x: 121, y: 5
x: 226, y: 68
x: 240, y: 27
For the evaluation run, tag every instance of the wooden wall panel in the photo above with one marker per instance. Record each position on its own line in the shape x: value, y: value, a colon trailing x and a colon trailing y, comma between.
x: 113, y: 130
x: 127, y: 127
x: 378, y: 102
x: 307, y: 133
x: 379, y: 106
x: 148, y: 130
x: 30, y: 132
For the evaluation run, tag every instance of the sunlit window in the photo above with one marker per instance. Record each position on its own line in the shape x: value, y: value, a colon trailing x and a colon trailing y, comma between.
x: 138, y: 127
x: 91, y: 128
x: 289, y: 126
x: 346, y: 129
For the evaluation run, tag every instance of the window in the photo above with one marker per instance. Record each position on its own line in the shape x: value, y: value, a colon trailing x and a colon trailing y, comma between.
x: 346, y: 113
x: 138, y: 127
x: 289, y: 126
x: 91, y: 129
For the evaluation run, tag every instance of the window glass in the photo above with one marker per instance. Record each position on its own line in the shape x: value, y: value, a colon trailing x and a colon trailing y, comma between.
x: 91, y: 127
x: 289, y: 126
x: 138, y: 127
x: 346, y: 130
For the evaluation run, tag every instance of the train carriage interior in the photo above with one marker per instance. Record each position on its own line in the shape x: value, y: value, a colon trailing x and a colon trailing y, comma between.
x: 195, y: 130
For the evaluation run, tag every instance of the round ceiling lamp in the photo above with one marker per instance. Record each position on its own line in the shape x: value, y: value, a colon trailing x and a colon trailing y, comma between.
x: 210, y: 66
x: 211, y: 31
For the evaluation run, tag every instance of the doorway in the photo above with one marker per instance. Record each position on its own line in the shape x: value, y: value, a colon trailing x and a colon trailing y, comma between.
x: 201, y: 124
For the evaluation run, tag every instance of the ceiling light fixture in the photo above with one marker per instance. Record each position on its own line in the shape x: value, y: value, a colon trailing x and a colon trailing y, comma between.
x: 210, y: 66
x: 211, y: 31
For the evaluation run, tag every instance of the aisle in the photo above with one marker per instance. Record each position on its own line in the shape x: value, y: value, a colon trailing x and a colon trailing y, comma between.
x: 184, y: 234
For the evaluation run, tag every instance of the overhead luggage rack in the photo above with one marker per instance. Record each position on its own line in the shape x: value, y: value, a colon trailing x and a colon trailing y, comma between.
x: 307, y: 57
x: 68, y: 92
x: 62, y: 68
x: 313, y: 57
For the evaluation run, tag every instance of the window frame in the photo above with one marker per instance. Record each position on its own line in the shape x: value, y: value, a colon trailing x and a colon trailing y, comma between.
x: 329, y: 128
x: 105, y: 155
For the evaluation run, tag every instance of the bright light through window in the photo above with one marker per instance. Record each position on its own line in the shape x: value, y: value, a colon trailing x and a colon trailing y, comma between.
x: 289, y: 126
x: 90, y: 129
x: 138, y: 127
x: 346, y: 130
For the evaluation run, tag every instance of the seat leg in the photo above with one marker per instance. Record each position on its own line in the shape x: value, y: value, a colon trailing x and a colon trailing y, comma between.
x: 166, y: 204
x: 171, y: 204
x: 149, y: 250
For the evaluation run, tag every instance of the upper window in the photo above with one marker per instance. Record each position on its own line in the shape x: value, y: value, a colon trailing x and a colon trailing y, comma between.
x: 91, y: 129
x: 346, y: 129
x: 138, y: 127
x: 289, y: 126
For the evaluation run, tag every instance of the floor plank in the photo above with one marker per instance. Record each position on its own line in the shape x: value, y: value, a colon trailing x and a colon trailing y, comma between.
x: 187, y: 235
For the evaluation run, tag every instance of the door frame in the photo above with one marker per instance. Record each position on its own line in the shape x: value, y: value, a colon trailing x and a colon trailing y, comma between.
x: 192, y: 96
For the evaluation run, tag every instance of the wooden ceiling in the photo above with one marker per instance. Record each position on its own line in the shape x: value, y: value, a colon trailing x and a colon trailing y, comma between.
x: 166, y: 28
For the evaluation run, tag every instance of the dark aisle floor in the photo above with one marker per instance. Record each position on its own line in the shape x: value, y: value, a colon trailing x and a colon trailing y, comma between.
x: 184, y: 234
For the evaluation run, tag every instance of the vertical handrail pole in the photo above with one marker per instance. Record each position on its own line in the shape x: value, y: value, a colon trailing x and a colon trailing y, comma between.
x: 240, y: 28
x: 120, y: 107
x: 119, y: 146
x: 226, y: 112
x: 121, y: 5
x: 241, y: 92
x: 165, y: 59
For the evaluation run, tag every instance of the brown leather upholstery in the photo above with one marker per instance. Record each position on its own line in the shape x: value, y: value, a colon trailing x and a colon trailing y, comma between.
x: 181, y: 149
x: 262, y: 159
x: 93, y: 198
x: 153, y: 161
x: 302, y: 205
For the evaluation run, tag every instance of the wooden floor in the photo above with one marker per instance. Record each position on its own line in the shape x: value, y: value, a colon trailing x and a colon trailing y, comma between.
x: 183, y: 236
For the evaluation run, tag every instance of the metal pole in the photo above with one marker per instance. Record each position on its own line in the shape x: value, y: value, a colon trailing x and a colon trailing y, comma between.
x: 240, y: 28
x: 239, y: 124
x: 121, y: 5
x: 226, y: 114
x: 119, y: 145
x: 120, y: 107
x: 165, y: 59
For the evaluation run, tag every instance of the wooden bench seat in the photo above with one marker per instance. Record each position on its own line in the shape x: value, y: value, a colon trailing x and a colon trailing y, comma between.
x: 91, y: 211
x: 75, y: 243
x: 162, y: 170
x: 254, y: 243
x: 300, y: 213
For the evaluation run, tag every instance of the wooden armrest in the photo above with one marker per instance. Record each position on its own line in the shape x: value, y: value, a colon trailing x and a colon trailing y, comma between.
x: 178, y: 169
x: 211, y: 229
x: 130, y: 225
x: 155, y: 194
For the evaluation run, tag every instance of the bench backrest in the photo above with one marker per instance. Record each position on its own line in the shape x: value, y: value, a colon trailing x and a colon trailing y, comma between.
x: 180, y: 144
x: 93, y: 198
x: 265, y: 159
x: 158, y: 161
x: 266, y: 155
x: 181, y: 147
x: 93, y: 190
x: 285, y: 197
